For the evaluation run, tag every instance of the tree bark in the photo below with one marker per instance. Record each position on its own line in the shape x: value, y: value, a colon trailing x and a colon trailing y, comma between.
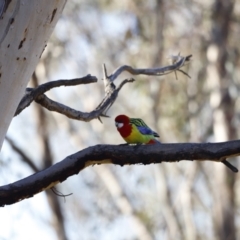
x: 118, y: 155
x: 25, y: 27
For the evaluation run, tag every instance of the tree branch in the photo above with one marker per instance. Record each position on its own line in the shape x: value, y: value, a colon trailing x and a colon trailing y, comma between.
x: 176, y: 65
x: 101, y: 109
x: 119, y: 155
x: 111, y: 92
x: 33, y: 93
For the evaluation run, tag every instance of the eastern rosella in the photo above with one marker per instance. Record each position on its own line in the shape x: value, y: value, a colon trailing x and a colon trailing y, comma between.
x: 135, y: 130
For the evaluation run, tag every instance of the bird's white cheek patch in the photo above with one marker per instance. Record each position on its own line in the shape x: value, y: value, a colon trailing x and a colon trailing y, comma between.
x: 119, y: 125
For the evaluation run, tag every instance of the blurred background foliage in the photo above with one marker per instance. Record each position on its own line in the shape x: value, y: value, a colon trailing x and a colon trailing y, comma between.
x: 186, y: 200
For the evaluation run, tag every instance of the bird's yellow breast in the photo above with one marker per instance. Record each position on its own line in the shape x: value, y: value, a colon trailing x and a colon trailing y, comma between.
x: 137, y: 137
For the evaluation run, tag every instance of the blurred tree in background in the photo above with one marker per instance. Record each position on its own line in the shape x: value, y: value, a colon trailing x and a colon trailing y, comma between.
x: 187, y: 200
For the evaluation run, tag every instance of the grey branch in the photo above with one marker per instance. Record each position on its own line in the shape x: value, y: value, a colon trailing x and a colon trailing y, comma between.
x: 111, y: 92
x: 176, y: 65
x: 33, y: 93
x: 78, y: 115
x: 118, y: 155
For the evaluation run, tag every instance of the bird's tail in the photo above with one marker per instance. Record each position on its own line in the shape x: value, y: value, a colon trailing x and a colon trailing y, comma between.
x: 154, y: 141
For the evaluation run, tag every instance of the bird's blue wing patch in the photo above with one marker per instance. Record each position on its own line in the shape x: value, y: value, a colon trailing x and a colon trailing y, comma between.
x: 142, y: 127
x: 146, y: 131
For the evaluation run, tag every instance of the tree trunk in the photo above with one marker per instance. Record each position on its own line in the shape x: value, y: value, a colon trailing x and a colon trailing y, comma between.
x: 219, y: 78
x: 25, y: 27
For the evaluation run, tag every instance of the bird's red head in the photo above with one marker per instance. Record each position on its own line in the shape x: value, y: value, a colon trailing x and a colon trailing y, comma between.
x: 123, y: 125
x: 121, y: 120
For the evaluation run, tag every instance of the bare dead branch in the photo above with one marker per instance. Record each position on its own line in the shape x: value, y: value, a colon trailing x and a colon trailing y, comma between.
x: 78, y: 115
x: 119, y: 155
x: 33, y: 93
x: 111, y: 96
x: 180, y: 62
x: 111, y: 92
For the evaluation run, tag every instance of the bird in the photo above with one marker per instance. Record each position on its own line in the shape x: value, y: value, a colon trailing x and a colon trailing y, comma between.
x: 135, y: 130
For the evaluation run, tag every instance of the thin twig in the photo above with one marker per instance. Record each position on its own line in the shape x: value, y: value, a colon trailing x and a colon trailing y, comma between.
x: 183, y: 72
x: 59, y: 194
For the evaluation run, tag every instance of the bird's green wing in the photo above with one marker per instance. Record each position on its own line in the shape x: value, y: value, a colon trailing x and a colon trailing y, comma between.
x: 143, y: 127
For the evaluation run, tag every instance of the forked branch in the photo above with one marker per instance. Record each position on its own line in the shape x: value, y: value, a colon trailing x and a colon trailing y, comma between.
x: 111, y: 92
x: 33, y: 94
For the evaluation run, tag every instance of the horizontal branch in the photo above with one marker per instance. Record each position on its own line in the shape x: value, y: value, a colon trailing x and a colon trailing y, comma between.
x: 119, y: 155
x: 178, y: 62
